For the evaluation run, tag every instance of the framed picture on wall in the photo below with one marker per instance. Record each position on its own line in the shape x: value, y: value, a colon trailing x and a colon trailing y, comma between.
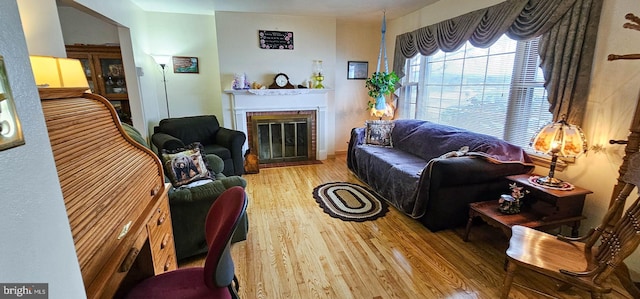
x: 184, y: 64
x: 10, y: 129
x: 357, y: 70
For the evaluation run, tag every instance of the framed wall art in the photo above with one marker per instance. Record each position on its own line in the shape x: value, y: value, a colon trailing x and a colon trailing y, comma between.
x: 357, y: 70
x: 185, y: 64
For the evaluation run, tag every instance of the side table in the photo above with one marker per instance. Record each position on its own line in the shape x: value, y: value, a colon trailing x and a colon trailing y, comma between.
x: 544, y: 208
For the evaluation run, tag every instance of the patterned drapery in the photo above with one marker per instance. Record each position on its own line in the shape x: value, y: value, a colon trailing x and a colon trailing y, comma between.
x: 568, y: 29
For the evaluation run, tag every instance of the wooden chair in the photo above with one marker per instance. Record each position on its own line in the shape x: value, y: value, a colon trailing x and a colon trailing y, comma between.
x: 578, y: 261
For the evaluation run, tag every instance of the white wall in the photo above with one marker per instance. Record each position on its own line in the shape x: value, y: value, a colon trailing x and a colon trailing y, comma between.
x: 314, y: 38
x: 357, y: 42
x: 160, y: 33
x: 612, y: 100
x: 42, y: 28
x: 192, y: 36
x: 36, y: 245
x: 130, y: 22
x: 81, y: 28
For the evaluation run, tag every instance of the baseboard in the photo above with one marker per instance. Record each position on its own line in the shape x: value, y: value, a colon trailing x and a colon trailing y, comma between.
x: 339, y: 153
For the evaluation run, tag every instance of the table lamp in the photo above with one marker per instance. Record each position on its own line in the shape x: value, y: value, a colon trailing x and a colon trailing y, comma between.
x: 558, y: 139
x: 58, y: 77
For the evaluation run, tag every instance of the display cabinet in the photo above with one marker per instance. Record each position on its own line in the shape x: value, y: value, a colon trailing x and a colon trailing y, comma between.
x: 105, y: 73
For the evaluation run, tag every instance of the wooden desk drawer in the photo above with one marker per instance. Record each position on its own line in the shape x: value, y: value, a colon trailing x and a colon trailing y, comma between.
x: 161, y: 238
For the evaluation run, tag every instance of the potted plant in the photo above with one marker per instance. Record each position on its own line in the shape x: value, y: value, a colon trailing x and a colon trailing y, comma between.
x: 380, y: 84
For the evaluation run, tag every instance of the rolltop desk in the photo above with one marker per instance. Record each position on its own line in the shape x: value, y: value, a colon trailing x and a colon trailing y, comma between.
x: 114, y: 193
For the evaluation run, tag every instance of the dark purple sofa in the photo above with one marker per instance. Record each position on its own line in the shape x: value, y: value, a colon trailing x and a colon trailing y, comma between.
x: 413, y: 176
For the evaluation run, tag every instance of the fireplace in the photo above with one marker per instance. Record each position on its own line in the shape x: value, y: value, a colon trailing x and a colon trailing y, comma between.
x: 282, y: 136
x: 242, y: 106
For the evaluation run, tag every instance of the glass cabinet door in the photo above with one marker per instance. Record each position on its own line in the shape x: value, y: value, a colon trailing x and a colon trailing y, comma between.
x: 86, y: 66
x: 104, y: 70
x: 112, y: 78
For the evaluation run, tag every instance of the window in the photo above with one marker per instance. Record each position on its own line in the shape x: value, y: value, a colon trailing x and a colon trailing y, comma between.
x: 497, y: 91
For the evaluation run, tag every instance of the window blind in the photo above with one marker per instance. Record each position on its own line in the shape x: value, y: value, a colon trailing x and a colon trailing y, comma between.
x: 497, y: 91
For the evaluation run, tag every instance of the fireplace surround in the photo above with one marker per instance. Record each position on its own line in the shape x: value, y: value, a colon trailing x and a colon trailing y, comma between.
x: 282, y: 136
x: 241, y: 105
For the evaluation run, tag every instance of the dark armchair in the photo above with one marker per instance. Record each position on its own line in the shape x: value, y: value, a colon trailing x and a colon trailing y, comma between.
x: 174, y: 133
x: 189, y: 206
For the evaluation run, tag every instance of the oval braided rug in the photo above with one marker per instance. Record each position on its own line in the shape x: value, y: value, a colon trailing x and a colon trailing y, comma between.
x: 349, y: 202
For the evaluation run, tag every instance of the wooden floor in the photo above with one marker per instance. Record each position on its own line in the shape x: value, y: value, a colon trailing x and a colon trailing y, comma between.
x: 295, y: 250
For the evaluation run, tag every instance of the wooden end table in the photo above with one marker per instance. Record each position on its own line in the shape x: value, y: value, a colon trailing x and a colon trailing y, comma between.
x: 543, y: 209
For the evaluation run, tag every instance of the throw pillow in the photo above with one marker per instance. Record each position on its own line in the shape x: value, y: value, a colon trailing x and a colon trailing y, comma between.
x: 185, y: 165
x: 378, y: 132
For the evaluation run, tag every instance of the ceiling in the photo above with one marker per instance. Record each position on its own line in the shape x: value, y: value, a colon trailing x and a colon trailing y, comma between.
x: 360, y: 10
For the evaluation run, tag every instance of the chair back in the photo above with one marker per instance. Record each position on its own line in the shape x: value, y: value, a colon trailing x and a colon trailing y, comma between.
x: 630, y: 179
x: 189, y: 129
x: 222, y: 220
x: 622, y: 239
x: 620, y: 243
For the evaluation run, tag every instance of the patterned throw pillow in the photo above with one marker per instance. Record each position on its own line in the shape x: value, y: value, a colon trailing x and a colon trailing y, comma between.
x: 378, y: 132
x: 185, y: 165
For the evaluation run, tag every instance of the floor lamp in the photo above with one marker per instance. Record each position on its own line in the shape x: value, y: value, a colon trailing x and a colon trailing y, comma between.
x: 163, y: 61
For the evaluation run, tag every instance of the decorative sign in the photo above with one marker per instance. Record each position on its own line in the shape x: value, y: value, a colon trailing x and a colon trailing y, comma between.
x: 281, y: 40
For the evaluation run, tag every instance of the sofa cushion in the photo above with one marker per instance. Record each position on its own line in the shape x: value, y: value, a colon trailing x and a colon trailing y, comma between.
x: 191, y: 129
x: 430, y: 140
x: 391, y: 172
x: 378, y: 132
x: 185, y: 165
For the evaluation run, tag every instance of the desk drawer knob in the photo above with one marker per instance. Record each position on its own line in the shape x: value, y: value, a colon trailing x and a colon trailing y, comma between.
x: 165, y: 240
x: 162, y: 218
x: 129, y: 259
x: 167, y: 265
x: 155, y: 190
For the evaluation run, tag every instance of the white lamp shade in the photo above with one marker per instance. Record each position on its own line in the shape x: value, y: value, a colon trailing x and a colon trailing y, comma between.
x: 161, y: 59
x: 71, y: 73
x: 45, y: 71
x: 57, y: 72
x: 561, y: 139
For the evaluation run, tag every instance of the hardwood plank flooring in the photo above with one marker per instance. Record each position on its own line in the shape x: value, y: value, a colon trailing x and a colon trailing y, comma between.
x: 295, y: 250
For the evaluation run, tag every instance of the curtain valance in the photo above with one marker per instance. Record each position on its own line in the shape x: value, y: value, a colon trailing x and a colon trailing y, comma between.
x: 568, y: 29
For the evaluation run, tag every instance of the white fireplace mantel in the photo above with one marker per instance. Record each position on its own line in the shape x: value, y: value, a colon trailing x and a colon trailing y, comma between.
x: 239, y: 102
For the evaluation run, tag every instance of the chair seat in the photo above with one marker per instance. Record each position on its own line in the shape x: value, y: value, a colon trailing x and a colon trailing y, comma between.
x: 182, y: 283
x: 547, y: 254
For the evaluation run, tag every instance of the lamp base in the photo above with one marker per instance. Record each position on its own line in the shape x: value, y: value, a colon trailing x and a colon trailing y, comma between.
x: 550, y: 181
x: 544, y: 183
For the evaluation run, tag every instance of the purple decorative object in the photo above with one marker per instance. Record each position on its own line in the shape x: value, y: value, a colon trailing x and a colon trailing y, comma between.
x: 240, y: 81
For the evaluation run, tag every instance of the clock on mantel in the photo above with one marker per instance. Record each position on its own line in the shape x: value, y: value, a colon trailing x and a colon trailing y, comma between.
x: 281, y: 81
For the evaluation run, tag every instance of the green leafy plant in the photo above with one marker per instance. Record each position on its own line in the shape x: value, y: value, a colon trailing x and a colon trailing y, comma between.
x: 382, y: 84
